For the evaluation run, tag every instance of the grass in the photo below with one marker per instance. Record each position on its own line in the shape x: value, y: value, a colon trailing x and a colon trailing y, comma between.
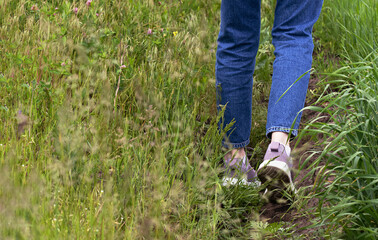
x: 347, y: 181
x: 108, y: 127
x: 346, y: 167
x: 353, y: 28
x: 109, y: 121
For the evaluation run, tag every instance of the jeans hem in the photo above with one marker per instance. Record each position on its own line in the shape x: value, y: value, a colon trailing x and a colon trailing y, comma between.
x: 293, y: 132
x: 229, y: 145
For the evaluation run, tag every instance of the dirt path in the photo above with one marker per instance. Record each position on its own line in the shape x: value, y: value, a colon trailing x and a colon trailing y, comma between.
x: 284, y: 212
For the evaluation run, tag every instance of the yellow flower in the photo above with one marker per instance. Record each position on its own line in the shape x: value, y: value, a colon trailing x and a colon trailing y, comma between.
x: 175, y: 33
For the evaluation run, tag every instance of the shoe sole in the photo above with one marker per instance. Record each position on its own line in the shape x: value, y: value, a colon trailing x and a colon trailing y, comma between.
x: 229, y: 181
x: 276, y: 175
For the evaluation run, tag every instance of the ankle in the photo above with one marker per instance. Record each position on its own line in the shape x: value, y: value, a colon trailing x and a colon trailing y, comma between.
x: 236, y: 153
x: 281, y: 137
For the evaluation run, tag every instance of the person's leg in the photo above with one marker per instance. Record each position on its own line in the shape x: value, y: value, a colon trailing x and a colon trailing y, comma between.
x: 292, y: 39
x: 237, y: 48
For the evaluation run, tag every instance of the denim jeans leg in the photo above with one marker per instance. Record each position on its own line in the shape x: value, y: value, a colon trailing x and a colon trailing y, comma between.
x: 238, y: 42
x: 292, y: 39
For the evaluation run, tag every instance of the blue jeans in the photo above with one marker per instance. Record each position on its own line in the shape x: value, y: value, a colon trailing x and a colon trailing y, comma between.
x: 238, y: 42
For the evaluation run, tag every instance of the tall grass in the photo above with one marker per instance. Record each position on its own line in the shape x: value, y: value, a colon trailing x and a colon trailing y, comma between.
x: 109, y: 127
x: 108, y: 124
x: 348, y: 28
x: 347, y: 184
x: 347, y: 180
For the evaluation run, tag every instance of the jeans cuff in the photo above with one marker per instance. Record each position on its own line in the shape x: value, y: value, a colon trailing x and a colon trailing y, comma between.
x: 229, y: 145
x: 293, y: 132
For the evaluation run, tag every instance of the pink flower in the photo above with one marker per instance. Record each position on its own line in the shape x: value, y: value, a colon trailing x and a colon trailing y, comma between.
x: 34, y: 8
x: 63, y: 64
x: 97, y: 14
x: 89, y: 2
x: 123, y: 66
x: 149, y: 31
x: 56, y: 8
x: 75, y: 10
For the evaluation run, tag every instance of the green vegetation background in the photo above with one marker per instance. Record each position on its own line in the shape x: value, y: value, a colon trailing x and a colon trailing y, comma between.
x: 109, y: 122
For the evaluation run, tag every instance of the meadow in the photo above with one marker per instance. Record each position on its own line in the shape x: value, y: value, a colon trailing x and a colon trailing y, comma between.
x: 109, y: 124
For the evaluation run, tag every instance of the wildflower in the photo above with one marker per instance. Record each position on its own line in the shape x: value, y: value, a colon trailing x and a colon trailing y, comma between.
x: 89, y: 2
x: 162, y: 30
x: 149, y: 31
x: 123, y: 66
x: 75, y: 10
x: 97, y: 14
x: 175, y: 33
x: 34, y: 8
x: 63, y: 64
x: 56, y: 8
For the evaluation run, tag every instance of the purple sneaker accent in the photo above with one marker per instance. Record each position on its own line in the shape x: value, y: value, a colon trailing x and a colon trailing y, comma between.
x: 276, y: 151
x: 236, y: 170
x: 276, y: 168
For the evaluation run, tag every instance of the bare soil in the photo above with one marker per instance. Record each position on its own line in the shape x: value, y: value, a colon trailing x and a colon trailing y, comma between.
x: 298, y: 218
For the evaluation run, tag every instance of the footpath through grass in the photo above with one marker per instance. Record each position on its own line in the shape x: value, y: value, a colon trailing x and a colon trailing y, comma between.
x: 109, y: 122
